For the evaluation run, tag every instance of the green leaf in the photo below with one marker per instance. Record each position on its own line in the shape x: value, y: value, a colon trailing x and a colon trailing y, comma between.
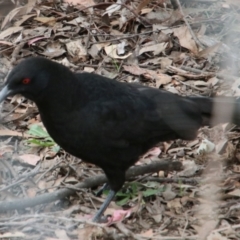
x: 123, y: 201
x: 56, y: 148
x: 41, y: 143
x: 135, y: 187
x: 151, y: 184
x: 37, y: 131
x: 46, y: 141
x: 122, y: 194
x: 152, y: 192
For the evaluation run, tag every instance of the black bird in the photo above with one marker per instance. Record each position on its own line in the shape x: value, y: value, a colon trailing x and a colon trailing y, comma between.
x: 110, y: 123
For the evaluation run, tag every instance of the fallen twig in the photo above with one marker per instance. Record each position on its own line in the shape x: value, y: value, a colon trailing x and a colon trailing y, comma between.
x: 165, y: 165
x: 183, y: 73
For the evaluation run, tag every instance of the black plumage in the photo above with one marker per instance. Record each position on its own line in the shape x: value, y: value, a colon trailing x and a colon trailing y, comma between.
x: 110, y: 123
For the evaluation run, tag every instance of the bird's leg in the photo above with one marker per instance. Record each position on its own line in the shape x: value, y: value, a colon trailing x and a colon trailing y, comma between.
x: 110, y: 196
x: 116, y: 178
x: 100, y: 191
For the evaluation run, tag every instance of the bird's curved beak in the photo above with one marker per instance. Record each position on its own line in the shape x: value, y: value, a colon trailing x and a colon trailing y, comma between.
x: 4, y: 93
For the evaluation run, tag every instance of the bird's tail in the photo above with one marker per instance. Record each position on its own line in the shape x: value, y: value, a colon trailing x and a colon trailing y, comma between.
x: 218, y: 109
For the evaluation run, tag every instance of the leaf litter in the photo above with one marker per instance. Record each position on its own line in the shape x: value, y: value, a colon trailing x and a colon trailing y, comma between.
x: 187, y: 47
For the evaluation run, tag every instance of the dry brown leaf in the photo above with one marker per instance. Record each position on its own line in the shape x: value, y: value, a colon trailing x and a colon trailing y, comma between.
x: 118, y: 216
x: 53, y: 53
x: 186, y: 199
x: 141, y: 5
x: 207, y: 227
x: 236, y: 168
x: 10, y: 31
x: 6, y: 132
x: 165, y: 62
x: 210, y: 51
x: 42, y: 184
x: 34, y: 40
x: 18, y: 12
x: 156, y: 48
x: 216, y: 236
x: 153, y: 152
x: 51, y: 183
x: 157, y: 76
x: 61, y: 234
x: 158, y: 16
x: 24, y: 19
x: 50, y: 238
x: 15, y: 12
x: 162, y: 79
x: 6, y: 149
x: 46, y: 20
x: 185, y: 38
x: 111, y: 51
x: 58, y: 182
x: 213, y: 81
x: 32, y: 192
x: 147, y: 234
x: 113, y: 8
x: 48, y: 163
x: 235, y: 192
x: 175, y: 17
x: 221, y: 145
x: 89, y: 232
x: 168, y: 194
x: 6, y: 7
x: 134, y: 69
x: 88, y: 69
x: 30, y: 159
x: 96, y: 48
x: 199, y: 83
x: 121, y: 48
x: 12, y: 235
x: 190, y: 168
x: 6, y: 43
x: 85, y: 3
x: 76, y: 49
x: 175, y: 205
x: 66, y: 63
x: 79, y: 21
x: 71, y: 180
x: 146, y: 10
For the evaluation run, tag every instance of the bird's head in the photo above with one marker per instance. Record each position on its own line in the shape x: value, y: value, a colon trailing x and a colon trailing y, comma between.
x: 31, y: 78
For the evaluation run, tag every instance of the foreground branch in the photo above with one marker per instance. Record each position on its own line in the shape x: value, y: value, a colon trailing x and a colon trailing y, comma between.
x: 18, y: 204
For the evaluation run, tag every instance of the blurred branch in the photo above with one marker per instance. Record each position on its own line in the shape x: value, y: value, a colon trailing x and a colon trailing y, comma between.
x: 166, y: 165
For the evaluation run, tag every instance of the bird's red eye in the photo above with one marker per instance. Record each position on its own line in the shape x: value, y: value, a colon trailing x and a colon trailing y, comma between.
x: 26, y: 81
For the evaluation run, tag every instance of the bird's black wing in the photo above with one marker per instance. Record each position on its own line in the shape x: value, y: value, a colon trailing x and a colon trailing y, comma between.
x: 148, y: 114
